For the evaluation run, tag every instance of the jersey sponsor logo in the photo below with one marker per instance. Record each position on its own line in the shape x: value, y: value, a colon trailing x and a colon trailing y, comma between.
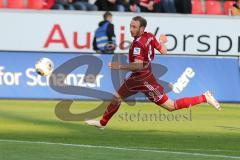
x: 137, y: 51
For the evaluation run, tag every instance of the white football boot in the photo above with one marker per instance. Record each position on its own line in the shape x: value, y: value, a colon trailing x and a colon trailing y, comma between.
x: 95, y: 123
x: 211, y: 100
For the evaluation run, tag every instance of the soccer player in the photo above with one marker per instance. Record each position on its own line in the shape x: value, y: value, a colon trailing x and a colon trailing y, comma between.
x: 141, y: 53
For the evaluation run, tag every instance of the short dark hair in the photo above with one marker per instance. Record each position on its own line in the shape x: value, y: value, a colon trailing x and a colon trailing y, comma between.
x: 143, y: 21
x: 106, y: 15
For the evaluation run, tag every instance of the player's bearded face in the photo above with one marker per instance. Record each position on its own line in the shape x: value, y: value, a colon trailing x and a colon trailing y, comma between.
x: 135, y: 28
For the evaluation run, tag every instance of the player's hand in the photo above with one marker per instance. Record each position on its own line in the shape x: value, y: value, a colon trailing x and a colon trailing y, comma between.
x: 114, y: 65
x: 163, y: 38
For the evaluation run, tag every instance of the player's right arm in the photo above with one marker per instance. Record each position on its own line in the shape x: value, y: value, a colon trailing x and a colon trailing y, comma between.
x: 133, y: 66
x: 160, y: 46
x: 137, y: 62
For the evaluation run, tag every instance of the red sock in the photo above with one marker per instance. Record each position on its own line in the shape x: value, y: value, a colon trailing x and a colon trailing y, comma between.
x: 189, y: 102
x: 111, y: 110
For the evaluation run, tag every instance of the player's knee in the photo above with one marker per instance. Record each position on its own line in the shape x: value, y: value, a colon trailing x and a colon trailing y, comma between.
x: 116, y: 100
x: 170, y: 109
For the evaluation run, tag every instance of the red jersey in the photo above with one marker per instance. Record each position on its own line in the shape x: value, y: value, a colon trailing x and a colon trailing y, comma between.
x: 142, y: 48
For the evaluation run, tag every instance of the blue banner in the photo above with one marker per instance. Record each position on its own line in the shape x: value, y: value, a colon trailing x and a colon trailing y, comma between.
x: 180, y: 75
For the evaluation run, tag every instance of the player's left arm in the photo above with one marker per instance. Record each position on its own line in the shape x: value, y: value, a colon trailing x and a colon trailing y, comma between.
x: 134, y: 66
x: 160, y: 46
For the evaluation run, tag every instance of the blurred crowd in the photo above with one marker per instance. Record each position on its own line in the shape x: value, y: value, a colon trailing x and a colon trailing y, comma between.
x: 212, y: 7
x: 160, y: 6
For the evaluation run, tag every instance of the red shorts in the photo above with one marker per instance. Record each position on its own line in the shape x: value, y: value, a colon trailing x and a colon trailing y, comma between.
x: 146, y: 84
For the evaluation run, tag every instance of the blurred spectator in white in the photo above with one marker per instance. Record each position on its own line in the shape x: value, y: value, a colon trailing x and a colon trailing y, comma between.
x: 236, y: 8
x: 183, y: 6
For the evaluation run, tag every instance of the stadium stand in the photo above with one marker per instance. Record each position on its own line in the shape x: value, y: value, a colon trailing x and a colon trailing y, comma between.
x: 227, y: 7
x: 197, y: 7
x: 213, y: 7
x: 19, y: 4
x: 27, y: 4
x: 35, y: 4
x: 209, y: 7
x: 1, y: 3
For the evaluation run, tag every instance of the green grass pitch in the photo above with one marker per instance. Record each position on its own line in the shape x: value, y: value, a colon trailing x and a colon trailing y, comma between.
x: 29, y: 130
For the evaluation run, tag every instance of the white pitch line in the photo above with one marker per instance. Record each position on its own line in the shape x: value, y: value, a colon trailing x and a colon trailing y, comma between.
x: 193, y: 149
x: 120, y: 148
